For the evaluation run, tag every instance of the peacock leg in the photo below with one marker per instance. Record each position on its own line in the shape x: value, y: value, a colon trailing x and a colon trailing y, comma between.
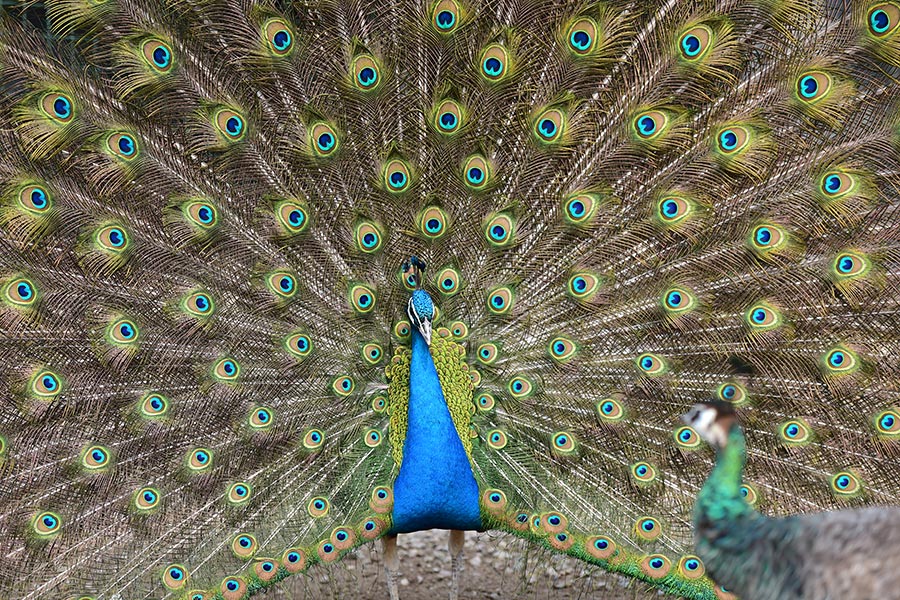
x: 457, y: 539
x: 391, y: 564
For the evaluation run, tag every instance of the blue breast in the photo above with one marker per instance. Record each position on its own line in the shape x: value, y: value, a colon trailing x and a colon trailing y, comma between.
x: 435, y: 488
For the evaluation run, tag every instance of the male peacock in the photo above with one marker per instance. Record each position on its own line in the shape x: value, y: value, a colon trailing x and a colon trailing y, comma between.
x: 216, y: 368
x: 822, y: 555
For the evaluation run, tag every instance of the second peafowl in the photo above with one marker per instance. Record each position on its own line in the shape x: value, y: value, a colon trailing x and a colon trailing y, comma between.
x: 279, y: 279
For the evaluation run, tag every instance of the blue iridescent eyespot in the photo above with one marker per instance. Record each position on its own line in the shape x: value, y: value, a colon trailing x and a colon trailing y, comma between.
x: 325, y: 142
x: 494, y: 61
x: 728, y: 140
x: 580, y: 40
x: 122, y: 145
x: 883, y: 19
x: 836, y: 359
x: 366, y: 74
x: 158, y: 55
x: 175, y: 577
x: 38, y: 197
x: 836, y: 184
x: 694, y: 43
x: 445, y: 16
x: 493, y: 66
x: 57, y: 106
x: 669, y: 208
x: 576, y: 208
x: 808, y: 86
x: 690, y: 45
x: 282, y: 39
x: 46, y: 524
x: 116, y: 237
x: 161, y: 57
x: 433, y: 225
x: 146, y: 499
x: 581, y: 36
x: 846, y: 484
x: 230, y: 124
x: 445, y: 19
x: 62, y: 108
x: 547, y: 127
x: 500, y: 301
x: 278, y: 36
x: 672, y: 210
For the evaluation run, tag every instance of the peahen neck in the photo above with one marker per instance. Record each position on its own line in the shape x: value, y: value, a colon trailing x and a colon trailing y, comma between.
x: 435, y: 488
x: 721, y: 496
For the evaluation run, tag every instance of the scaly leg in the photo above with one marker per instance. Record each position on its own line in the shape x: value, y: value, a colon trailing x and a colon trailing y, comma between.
x: 457, y: 539
x: 391, y: 564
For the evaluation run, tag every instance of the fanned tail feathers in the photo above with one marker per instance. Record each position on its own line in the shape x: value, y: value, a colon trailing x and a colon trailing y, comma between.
x: 204, y: 206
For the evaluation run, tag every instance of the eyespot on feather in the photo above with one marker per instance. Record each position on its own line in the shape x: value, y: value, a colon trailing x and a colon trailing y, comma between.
x: 494, y: 63
x: 158, y: 55
x: 445, y: 16
x: 366, y: 73
x: 582, y: 36
x: 279, y: 36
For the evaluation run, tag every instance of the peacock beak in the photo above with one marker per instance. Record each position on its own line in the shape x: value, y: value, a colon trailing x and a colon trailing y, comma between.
x: 425, y: 330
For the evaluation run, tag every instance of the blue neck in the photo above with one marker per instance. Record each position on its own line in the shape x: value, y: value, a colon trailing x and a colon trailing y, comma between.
x: 435, y: 488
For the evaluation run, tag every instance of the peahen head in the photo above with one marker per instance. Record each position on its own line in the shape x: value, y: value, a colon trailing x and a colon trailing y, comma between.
x: 712, y: 420
x: 420, y: 307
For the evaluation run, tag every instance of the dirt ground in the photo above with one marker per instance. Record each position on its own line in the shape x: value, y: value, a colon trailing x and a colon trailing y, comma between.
x: 497, y: 567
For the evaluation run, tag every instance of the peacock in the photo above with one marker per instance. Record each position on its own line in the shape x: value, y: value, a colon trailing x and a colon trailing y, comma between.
x: 800, y: 556
x: 282, y: 279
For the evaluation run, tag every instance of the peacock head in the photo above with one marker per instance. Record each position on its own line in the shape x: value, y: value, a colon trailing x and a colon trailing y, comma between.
x: 712, y: 420
x: 420, y: 307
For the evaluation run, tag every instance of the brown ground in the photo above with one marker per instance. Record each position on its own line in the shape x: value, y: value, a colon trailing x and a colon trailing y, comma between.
x: 496, y: 567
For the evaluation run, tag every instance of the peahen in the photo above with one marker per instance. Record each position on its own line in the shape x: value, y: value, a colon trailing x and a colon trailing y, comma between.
x: 849, y: 554
x: 278, y: 279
